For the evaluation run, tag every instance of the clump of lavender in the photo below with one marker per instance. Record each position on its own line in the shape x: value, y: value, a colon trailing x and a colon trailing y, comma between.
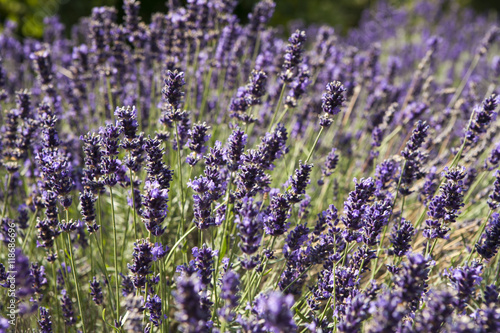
x: 465, y: 280
x: 96, y: 291
x: 494, y: 200
x: 249, y: 96
x: 293, y: 55
x: 274, y: 309
x: 250, y: 222
x: 133, y: 143
x: 198, y: 84
x: 197, y: 138
x: 156, y: 169
x: 333, y: 98
x: 153, y: 304
x: 298, y: 87
x: 412, y: 170
x: 445, y: 207
x: 192, y: 314
x: 155, y: 210
x: 67, y: 309
x: 229, y: 293
x: 235, y: 148
x: 207, y: 192
x: 438, y: 310
x: 45, y: 320
x: 411, y: 280
x: 401, y: 237
x: 484, y: 114
x: 332, y: 159
x: 491, y: 242
x: 203, y: 263
x: 141, y: 262
x: 135, y: 306
x: 275, y: 223
x: 92, y: 160
x: 273, y: 147
x: 37, y: 272
x: 173, y: 96
x: 385, y: 174
x: 109, y: 163
x: 87, y: 200
x: 386, y: 313
x: 299, y: 182
x: 356, y: 202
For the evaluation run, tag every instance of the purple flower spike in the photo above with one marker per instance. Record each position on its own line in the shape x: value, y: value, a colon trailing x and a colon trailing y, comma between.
x: 274, y: 309
x: 489, y: 247
x: 229, y: 293
x: 333, y: 98
x: 44, y: 321
x: 293, y: 55
x: 464, y: 280
x: 96, y: 291
x: 153, y: 304
x: 155, y: 210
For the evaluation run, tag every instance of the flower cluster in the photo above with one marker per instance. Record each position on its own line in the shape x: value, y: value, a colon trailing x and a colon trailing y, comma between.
x: 201, y: 130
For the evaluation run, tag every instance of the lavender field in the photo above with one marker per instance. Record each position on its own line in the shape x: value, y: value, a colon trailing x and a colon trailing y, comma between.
x: 200, y: 174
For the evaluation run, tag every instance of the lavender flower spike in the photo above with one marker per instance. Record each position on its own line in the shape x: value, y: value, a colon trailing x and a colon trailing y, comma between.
x: 333, y: 98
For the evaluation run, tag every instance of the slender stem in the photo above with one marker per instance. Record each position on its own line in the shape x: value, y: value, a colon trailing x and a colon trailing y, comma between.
x: 73, y: 269
x: 139, y: 110
x: 110, y: 96
x: 224, y: 228
x: 277, y: 108
x: 54, y: 277
x: 179, y: 166
x: 314, y: 145
x: 464, y: 80
x: 104, y: 270
x: 6, y: 203
x: 133, y: 202
x: 282, y: 115
x: 298, y: 277
x: 32, y: 226
x: 265, y: 265
x: 115, y: 255
x: 375, y: 270
x: 205, y: 93
x: 474, y: 185
x: 178, y: 243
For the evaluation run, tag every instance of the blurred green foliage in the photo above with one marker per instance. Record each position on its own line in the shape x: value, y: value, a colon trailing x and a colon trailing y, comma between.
x: 342, y: 14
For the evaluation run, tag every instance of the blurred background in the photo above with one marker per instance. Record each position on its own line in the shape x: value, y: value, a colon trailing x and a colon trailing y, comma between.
x: 341, y: 14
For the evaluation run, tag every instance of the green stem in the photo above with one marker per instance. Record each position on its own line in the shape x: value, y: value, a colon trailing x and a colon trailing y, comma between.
x: 133, y: 203
x: 32, y: 226
x: 205, y: 94
x: 314, y: 145
x: 179, y: 166
x: 73, y: 268
x: 464, y: 80
x: 54, y: 277
x: 277, y: 108
x: 115, y: 255
x: 104, y: 271
x: 6, y: 203
x: 139, y: 110
x: 181, y: 239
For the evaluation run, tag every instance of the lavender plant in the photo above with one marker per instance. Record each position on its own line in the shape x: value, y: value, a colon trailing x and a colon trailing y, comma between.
x: 201, y: 174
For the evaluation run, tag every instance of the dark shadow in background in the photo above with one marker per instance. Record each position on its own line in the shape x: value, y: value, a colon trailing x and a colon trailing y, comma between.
x: 342, y: 14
